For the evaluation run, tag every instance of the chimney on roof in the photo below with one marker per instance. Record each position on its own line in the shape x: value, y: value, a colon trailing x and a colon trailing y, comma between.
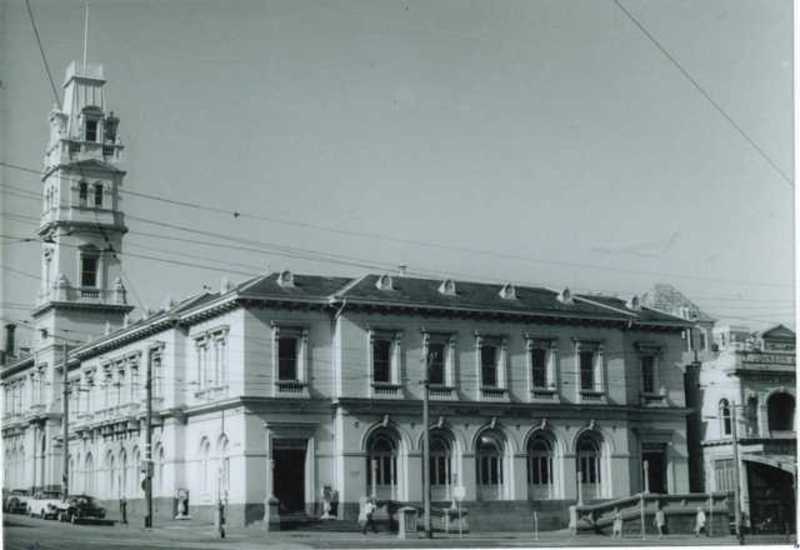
x: 224, y: 285
x: 401, y: 270
x: 10, y: 340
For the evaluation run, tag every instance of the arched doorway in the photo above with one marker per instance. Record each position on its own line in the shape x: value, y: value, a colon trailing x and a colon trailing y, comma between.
x: 589, y: 452
x: 382, y: 451
x: 489, y: 452
x: 440, y: 467
x: 541, y: 479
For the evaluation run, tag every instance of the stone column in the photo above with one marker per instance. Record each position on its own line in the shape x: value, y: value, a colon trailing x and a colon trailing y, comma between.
x: 271, y: 517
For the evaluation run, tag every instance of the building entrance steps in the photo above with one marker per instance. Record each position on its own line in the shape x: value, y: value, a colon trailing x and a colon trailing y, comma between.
x: 680, y: 513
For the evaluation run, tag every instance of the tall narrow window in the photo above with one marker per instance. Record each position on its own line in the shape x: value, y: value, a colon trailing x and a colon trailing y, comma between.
x: 436, y: 363
x: 287, y: 358
x: 725, y: 417
x: 439, y: 467
x: 539, y: 367
x: 158, y: 377
x: 98, y: 194
x: 91, y: 129
x: 648, y: 374
x: 83, y: 193
x: 587, y: 370
x: 489, y: 365
x: 89, y: 270
x: 381, y: 360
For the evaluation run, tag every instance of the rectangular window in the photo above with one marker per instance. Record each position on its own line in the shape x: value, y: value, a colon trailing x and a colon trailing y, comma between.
x: 648, y: 374
x: 382, y: 361
x: 91, y: 130
x: 287, y: 358
x: 489, y: 366
x: 89, y: 271
x: 436, y: 363
x: 83, y: 193
x: 724, y: 475
x: 98, y: 194
x: 539, y: 367
x: 587, y: 370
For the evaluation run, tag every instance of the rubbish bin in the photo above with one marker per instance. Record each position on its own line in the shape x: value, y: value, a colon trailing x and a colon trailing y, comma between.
x: 408, y: 522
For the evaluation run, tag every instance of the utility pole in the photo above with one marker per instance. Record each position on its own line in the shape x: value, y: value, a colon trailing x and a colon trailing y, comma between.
x: 148, y: 443
x: 426, y: 451
x: 65, y: 424
x: 737, y: 508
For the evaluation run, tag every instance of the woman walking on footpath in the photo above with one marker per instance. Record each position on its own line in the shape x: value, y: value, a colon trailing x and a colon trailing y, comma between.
x: 660, y: 521
x: 700, y: 522
x: 369, y: 509
x: 617, y: 528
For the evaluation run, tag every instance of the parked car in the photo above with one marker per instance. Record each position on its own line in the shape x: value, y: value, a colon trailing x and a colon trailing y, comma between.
x: 78, y: 507
x: 16, y: 501
x: 44, y: 504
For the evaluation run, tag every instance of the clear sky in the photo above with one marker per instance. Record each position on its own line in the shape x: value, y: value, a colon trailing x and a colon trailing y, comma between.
x: 552, y: 134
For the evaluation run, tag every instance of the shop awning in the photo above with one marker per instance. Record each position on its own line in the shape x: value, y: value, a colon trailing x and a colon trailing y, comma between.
x: 782, y: 462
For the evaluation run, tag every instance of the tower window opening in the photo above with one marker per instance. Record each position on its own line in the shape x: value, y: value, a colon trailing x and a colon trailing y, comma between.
x: 83, y: 193
x: 89, y: 271
x: 98, y: 194
x: 91, y: 130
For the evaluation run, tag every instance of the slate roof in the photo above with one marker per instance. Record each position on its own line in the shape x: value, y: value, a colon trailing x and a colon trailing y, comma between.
x: 410, y: 291
x: 306, y: 287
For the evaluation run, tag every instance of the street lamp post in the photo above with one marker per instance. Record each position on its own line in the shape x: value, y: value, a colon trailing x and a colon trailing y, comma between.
x: 426, y: 451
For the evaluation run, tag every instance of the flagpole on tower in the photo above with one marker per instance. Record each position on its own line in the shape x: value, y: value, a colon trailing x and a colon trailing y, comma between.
x: 85, y: 32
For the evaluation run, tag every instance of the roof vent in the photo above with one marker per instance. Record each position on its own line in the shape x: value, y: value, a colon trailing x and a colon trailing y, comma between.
x: 286, y: 279
x: 385, y: 282
x: 508, y: 292
x: 448, y: 287
x: 565, y: 297
x: 634, y: 303
x: 224, y: 285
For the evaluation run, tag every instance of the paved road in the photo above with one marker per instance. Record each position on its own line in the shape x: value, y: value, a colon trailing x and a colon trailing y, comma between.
x: 23, y: 533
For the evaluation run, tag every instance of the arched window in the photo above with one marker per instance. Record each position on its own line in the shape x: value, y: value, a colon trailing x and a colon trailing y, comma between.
x: 123, y: 473
x: 489, y: 452
x: 111, y: 476
x: 205, y: 466
x: 71, y: 477
x: 780, y: 412
x: 382, y: 465
x: 224, y: 466
x: 440, y: 466
x: 133, y: 477
x: 89, y: 473
x: 158, y: 470
x: 21, y: 480
x: 540, y: 467
x: 589, y: 451
x: 725, y: 417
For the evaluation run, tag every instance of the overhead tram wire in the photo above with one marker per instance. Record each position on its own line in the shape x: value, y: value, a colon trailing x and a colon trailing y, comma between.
x: 705, y: 94
x: 44, y: 57
x: 464, y: 250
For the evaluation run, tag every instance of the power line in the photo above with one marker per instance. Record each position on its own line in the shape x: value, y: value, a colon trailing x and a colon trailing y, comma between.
x: 440, y: 246
x: 44, y: 57
x: 705, y: 94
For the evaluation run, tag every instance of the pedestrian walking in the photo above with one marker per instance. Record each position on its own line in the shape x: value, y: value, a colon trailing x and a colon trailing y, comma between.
x: 369, y: 510
x: 700, y: 522
x: 616, y: 530
x: 660, y: 521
